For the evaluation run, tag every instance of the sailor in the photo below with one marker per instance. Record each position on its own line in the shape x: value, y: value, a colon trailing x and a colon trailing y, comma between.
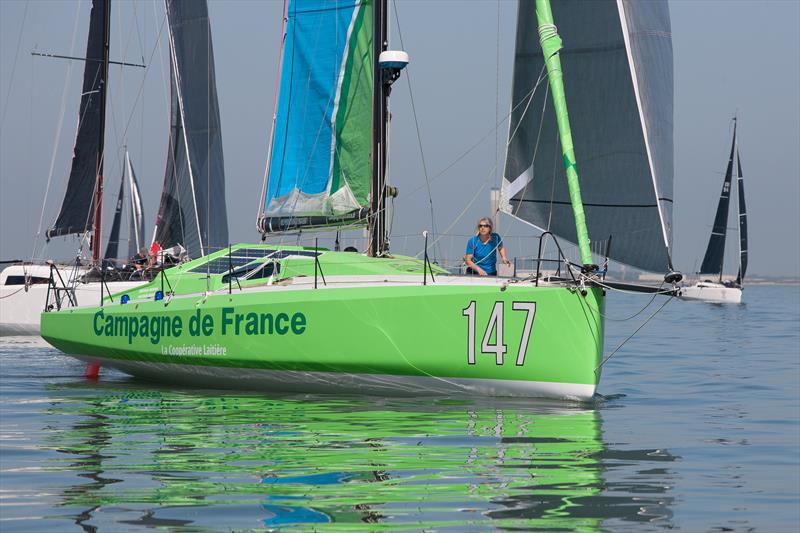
x: 155, y: 250
x: 481, y: 253
x: 140, y: 259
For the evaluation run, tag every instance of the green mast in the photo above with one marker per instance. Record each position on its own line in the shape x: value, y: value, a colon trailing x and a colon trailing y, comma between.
x: 551, y: 44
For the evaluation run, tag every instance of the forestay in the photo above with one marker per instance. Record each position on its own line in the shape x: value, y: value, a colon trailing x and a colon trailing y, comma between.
x: 192, y: 211
x: 617, y: 67
x: 319, y: 165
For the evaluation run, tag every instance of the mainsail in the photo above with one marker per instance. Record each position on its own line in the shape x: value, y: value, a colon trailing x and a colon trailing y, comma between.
x: 136, y: 228
x: 715, y: 252
x: 617, y: 69
x: 192, y: 211
x: 319, y: 167
x: 742, y: 223
x: 76, y: 210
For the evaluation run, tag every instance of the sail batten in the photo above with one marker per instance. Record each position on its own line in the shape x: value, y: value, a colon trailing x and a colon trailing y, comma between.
x: 617, y: 68
x: 192, y: 212
x: 319, y: 166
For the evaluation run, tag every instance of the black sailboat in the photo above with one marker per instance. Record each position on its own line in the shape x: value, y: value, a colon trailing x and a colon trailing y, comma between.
x: 192, y: 213
x: 714, y: 259
x: 194, y: 185
x: 82, y: 208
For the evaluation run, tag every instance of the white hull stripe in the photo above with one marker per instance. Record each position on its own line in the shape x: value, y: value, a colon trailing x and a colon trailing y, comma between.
x: 334, y: 382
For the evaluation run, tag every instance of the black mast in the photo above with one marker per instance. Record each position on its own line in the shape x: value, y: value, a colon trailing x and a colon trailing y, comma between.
x: 377, y: 223
x: 98, y: 191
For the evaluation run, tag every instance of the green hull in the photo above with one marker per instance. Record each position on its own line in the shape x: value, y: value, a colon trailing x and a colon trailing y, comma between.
x: 392, y: 336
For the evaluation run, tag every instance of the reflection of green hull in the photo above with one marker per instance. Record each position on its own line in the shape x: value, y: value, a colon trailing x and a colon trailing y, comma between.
x: 343, y: 462
x: 374, y: 335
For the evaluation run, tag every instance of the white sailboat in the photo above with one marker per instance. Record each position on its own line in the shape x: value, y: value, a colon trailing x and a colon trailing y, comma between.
x: 192, y: 214
x: 719, y: 290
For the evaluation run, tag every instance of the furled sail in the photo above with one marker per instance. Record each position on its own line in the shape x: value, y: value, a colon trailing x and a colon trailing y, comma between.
x: 112, y: 248
x: 715, y: 252
x: 76, y: 210
x: 192, y: 210
x: 136, y: 227
x: 742, y: 223
x: 617, y: 68
x: 319, y: 167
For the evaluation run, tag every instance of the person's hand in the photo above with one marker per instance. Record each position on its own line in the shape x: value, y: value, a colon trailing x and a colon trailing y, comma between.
x: 506, y: 262
x: 481, y: 272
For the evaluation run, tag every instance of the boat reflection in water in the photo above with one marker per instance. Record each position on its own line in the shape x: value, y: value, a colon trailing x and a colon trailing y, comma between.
x: 186, y: 459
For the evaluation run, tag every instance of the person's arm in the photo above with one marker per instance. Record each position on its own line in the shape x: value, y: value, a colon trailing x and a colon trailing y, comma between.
x: 502, y: 250
x: 468, y: 259
x: 473, y: 266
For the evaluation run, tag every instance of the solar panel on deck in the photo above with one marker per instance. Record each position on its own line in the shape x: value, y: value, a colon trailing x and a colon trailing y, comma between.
x: 276, y: 254
x: 243, y: 256
x: 222, y: 264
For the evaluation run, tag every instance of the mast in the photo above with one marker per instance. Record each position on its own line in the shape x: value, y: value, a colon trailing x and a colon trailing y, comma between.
x: 377, y: 225
x: 98, y: 190
x: 551, y: 44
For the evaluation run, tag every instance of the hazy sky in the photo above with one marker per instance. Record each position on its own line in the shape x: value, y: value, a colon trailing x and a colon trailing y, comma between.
x: 730, y: 57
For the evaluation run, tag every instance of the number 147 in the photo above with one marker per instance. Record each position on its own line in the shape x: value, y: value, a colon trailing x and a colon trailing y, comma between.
x: 496, y: 326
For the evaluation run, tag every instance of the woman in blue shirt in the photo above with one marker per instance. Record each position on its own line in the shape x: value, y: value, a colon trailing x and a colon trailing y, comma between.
x: 481, y: 254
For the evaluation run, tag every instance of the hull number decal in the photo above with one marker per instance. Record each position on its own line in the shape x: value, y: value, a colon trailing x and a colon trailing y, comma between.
x: 495, y: 328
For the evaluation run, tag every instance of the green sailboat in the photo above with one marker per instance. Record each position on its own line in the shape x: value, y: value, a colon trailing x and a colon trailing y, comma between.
x: 272, y: 317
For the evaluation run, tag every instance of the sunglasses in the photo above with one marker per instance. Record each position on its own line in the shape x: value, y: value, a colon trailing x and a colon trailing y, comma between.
x: 484, y: 225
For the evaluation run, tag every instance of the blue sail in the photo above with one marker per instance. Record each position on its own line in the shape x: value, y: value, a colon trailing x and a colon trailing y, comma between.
x: 319, y: 165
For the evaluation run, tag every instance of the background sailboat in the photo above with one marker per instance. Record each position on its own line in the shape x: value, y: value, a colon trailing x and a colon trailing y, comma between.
x: 719, y: 290
x: 136, y: 218
x: 192, y: 215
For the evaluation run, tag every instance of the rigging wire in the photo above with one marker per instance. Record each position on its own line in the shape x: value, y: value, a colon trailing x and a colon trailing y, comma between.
x: 643, y: 324
x: 480, y: 141
x: 492, y: 172
x: 59, y: 129
x: 170, y: 173
x: 497, y: 103
x: 416, y: 126
x: 133, y: 109
x: 14, y: 65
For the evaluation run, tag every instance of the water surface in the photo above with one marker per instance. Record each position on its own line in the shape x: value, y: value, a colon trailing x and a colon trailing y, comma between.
x: 697, y: 430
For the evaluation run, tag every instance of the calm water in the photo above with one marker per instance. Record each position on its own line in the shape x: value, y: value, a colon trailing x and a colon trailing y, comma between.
x: 698, y: 431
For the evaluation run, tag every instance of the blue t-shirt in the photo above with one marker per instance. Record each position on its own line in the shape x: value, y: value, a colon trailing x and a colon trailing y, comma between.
x: 484, y: 255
